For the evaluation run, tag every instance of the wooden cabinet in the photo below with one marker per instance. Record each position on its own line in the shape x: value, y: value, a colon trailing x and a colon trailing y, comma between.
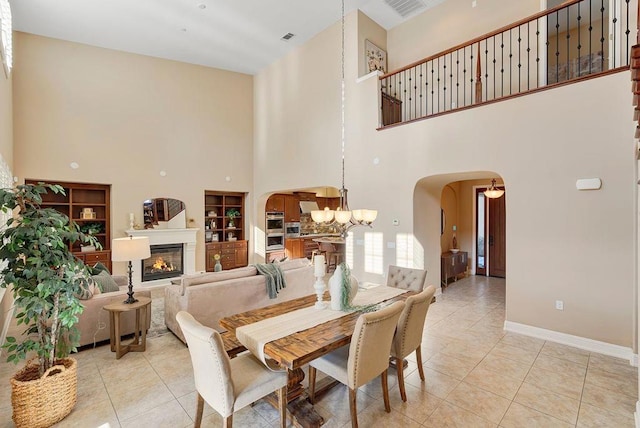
x: 219, y: 207
x: 452, y: 265
x: 294, y: 248
x: 275, y: 203
x: 332, y: 203
x: 89, y: 206
x: 232, y: 254
x: 224, y: 229
x: 291, y: 208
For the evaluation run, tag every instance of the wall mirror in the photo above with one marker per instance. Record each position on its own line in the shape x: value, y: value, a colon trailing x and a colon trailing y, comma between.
x: 164, y: 213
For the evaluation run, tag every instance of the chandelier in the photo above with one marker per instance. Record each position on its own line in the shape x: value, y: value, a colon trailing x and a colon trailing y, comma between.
x: 493, y: 192
x: 345, y: 219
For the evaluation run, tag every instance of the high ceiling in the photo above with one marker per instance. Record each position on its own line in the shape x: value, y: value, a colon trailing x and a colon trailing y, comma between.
x: 238, y: 35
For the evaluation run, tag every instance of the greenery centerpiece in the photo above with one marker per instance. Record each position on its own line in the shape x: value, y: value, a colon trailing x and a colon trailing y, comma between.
x: 46, y: 280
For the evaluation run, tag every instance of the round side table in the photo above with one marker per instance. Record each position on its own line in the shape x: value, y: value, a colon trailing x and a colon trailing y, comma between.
x: 139, y: 342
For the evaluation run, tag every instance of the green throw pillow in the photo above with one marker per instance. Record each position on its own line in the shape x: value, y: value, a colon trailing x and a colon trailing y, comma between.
x: 97, y: 268
x: 105, y: 282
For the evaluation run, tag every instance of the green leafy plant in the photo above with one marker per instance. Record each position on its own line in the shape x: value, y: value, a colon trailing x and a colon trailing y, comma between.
x: 43, y: 274
x: 232, y: 213
x: 91, y: 228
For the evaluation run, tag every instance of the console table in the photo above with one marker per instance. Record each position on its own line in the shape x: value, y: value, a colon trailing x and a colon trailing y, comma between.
x: 452, y: 265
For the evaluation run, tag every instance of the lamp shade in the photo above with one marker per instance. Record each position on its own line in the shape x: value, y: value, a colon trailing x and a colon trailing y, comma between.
x: 130, y: 248
x: 343, y: 217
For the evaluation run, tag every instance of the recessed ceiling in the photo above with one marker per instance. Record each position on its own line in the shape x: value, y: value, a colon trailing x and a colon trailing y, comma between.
x: 237, y: 35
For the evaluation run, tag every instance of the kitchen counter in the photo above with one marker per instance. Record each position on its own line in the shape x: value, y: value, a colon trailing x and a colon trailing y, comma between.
x: 319, y: 235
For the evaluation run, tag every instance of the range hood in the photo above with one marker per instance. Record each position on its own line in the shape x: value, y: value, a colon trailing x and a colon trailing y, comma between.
x: 307, y: 206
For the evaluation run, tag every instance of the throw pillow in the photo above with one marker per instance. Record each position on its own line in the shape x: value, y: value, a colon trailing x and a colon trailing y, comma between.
x: 89, y: 288
x: 97, y: 268
x: 105, y: 283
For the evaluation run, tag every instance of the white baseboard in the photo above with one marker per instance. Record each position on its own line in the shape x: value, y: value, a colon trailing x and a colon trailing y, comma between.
x: 636, y: 414
x: 575, y: 341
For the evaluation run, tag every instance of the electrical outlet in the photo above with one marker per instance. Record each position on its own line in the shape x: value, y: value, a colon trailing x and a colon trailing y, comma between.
x: 559, y: 305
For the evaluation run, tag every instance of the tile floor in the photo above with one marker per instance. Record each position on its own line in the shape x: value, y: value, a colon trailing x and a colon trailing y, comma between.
x: 476, y: 376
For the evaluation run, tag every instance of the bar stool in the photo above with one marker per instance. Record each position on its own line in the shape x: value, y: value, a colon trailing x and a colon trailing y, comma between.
x: 333, y: 256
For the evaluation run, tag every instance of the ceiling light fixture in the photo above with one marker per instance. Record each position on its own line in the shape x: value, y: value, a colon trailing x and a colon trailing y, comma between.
x: 493, y: 192
x: 344, y: 217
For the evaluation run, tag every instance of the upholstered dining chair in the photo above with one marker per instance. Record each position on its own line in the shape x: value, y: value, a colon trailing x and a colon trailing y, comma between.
x: 364, y: 359
x: 408, y: 336
x: 406, y: 278
x: 228, y: 385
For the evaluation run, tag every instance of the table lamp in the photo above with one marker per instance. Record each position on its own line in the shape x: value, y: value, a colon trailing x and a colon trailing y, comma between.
x: 127, y: 249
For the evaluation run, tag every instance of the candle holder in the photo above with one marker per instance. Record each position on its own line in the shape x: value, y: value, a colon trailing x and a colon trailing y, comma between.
x: 319, y: 286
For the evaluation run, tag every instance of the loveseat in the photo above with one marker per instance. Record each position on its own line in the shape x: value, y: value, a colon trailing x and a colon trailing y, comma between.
x: 93, y: 323
x: 215, y: 295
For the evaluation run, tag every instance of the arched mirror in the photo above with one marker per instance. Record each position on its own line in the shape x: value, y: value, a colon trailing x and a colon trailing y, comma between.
x: 164, y: 213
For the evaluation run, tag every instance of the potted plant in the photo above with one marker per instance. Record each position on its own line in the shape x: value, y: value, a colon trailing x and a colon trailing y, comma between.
x: 46, y: 280
x: 232, y: 214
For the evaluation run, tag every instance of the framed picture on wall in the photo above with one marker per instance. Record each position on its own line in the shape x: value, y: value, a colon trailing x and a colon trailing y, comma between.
x: 374, y: 57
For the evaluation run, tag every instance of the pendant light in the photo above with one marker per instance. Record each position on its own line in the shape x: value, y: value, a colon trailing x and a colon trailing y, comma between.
x: 493, y: 192
x: 344, y: 217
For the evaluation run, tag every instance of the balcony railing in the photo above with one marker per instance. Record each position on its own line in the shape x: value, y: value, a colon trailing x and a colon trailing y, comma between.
x: 571, y: 42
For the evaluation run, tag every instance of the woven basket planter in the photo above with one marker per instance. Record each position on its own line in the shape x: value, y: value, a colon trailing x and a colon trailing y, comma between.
x: 41, y: 402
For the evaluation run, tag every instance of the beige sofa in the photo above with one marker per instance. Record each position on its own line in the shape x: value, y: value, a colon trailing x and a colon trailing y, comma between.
x: 93, y: 323
x: 215, y: 295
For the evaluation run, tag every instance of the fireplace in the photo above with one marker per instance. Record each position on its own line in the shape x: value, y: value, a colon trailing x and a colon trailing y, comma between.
x: 166, y: 261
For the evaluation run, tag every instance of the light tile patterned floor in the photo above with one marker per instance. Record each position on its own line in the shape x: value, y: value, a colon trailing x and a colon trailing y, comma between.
x: 476, y: 376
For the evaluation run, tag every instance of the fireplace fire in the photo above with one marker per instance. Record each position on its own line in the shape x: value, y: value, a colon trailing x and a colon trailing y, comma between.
x: 166, y: 261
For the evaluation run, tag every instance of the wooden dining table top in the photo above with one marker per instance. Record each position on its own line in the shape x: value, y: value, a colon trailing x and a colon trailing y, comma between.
x: 297, y: 349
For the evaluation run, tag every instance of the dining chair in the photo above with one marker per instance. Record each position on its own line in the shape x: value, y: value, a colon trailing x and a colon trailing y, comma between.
x: 408, y: 336
x: 406, y: 278
x: 365, y: 358
x: 228, y: 385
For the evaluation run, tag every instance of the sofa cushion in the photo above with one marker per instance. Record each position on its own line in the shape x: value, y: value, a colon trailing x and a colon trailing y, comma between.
x: 294, y: 264
x: 205, y: 278
x: 105, y: 283
x: 97, y: 268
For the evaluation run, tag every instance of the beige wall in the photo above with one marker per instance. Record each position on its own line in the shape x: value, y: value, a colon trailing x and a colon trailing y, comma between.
x: 6, y: 151
x: 368, y: 29
x: 123, y: 118
x: 560, y: 245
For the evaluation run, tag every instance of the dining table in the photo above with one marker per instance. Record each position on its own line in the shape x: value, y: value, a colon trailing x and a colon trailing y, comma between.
x: 305, y: 342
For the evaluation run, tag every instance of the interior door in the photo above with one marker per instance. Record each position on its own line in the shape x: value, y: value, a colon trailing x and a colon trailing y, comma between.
x: 497, y: 237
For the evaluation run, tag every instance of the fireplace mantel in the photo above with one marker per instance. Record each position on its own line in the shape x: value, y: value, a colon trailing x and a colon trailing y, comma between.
x: 186, y: 237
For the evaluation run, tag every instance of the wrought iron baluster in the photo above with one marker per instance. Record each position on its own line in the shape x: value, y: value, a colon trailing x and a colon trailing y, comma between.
x: 579, y: 18
x: 502, y: 64
x: 602, y: 9
x: 450, y: 80
x: 627, y: 32
x: 557, y: 47
x: 519, y: 60
x: 444, y: 78
x: 457, y: 78
x: 537, y: 53
x: 615, y: 23
x: 486, y: 69
x: 464, y: 75
x: 494, y: 67
x: 568, y: 37
x: 590, y: 34
x: 528, y: 53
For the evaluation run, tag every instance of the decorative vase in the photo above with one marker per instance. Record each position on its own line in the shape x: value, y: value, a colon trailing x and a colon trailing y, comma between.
x: 217, y: 267
x: 43, y: 401
x: 336, y: 288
